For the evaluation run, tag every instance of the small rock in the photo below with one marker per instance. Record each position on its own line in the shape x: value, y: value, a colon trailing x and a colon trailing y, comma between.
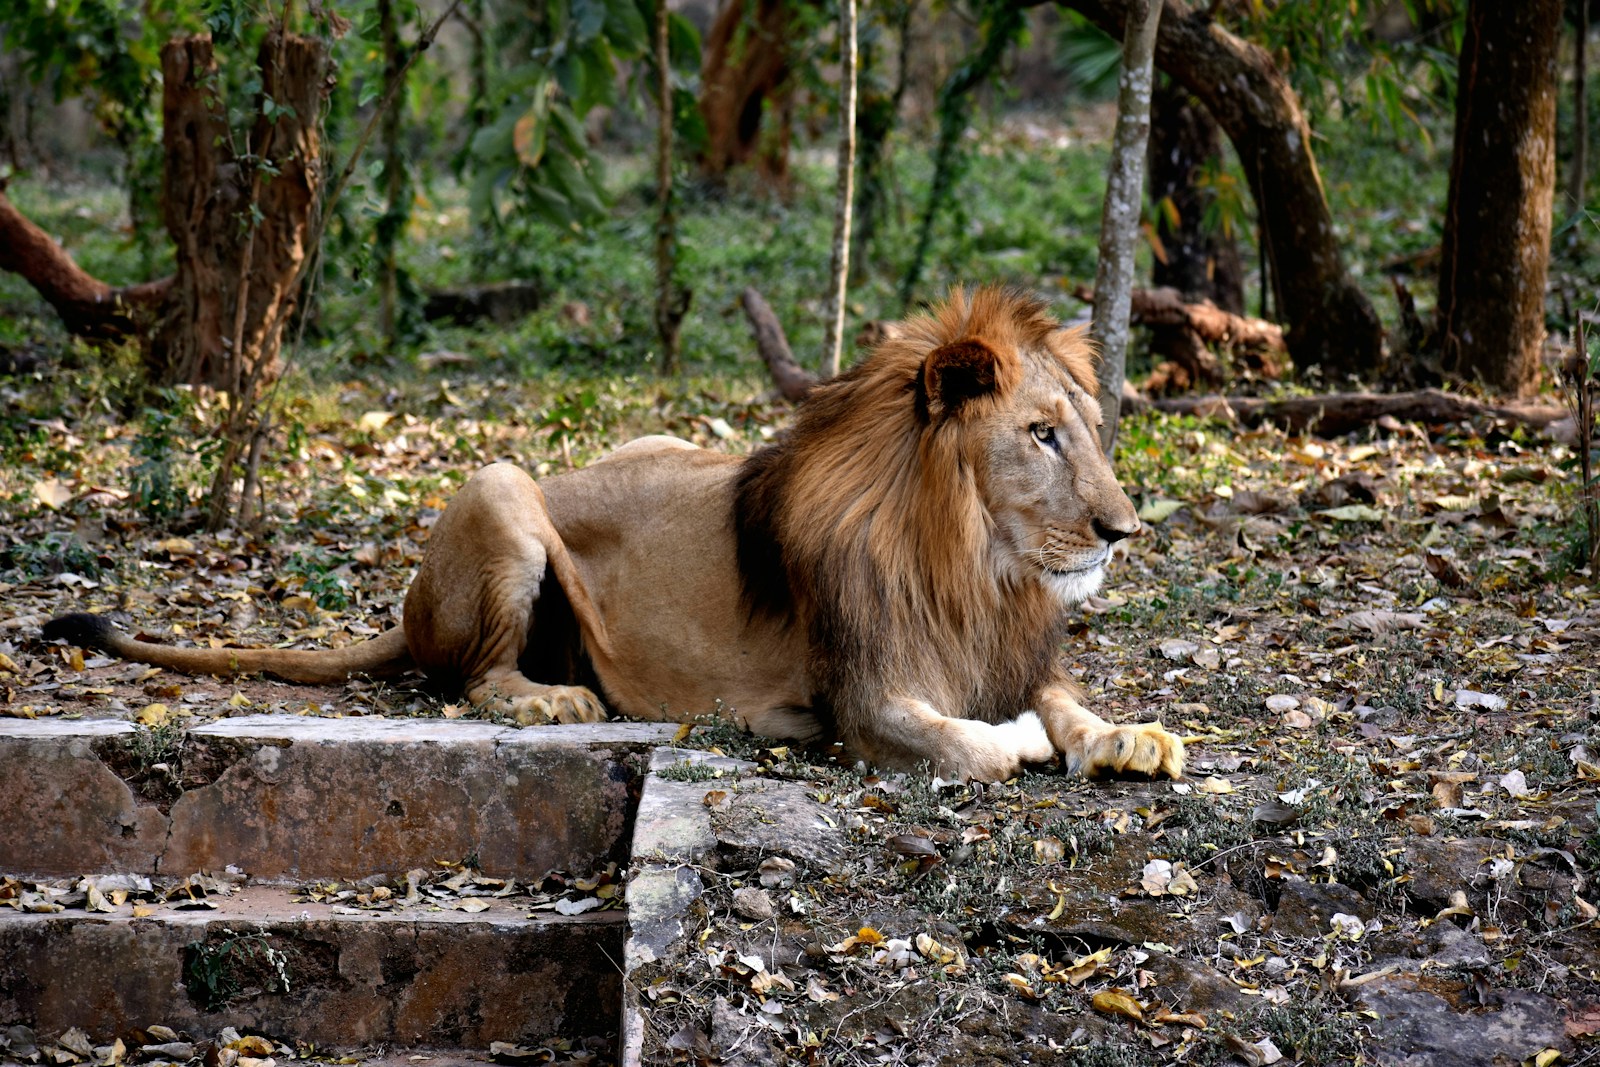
x: 1280, y: 703
x: 177, y: 1051
x: 776, y: 872
x: 752, y: 903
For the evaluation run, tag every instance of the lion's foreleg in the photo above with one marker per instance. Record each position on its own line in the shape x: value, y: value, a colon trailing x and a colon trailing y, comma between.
x: 905, y: 732
x: 1093, y: 746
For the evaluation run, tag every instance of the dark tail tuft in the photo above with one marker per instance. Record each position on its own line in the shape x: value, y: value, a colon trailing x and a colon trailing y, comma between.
x: 81, y: 629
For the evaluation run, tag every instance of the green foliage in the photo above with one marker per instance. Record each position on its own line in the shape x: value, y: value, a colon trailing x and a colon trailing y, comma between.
x: 219, y: 969
x: 53, y: 553
x: 535, y: 152
x: 315, y: 571
x: 1329, y: 49
x: 1003, y: 24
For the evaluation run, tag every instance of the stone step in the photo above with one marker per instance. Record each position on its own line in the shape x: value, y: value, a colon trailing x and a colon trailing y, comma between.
x: 286, y: 798
x: 266, y: 961
x: 278, y: 802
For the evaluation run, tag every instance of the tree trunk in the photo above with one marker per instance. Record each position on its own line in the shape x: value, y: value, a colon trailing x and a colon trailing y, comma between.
x: 235, y: 287
x: 1200, y: 262
x: 1496, y: 247
x: 1579, y: 174
x: 396, y: 186
x: 839, y: 270
x: 877, y: 113
x: 1119, y: 218
x: 746, y: 59
x: 793, y: 381
x: 672, y: 302
x: 1332, y: 325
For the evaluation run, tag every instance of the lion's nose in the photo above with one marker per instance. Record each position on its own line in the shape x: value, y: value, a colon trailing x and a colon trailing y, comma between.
x: 1111, y: 533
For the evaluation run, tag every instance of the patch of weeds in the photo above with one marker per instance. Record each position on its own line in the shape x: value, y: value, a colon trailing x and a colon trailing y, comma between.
x: 719, y: 733
x: 52, y: 554
x: 218, y: 969
x: 1314, y: 1032
x: 156, y: 479
x: 318, y: 578
x: 150, y: 760
x: 1238, y: 694
x: 1197, y: 829
x: 1105, y: 1056
x: 688, y: 771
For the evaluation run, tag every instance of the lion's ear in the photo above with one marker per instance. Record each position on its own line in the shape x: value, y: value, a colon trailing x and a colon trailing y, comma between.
x: 958, y: 372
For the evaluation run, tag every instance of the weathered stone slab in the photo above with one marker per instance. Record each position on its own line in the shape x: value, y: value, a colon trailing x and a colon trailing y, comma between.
x: 296, y: 798
x: 1419, y: 1028
x: 67, y: 810
x: 428, y: 979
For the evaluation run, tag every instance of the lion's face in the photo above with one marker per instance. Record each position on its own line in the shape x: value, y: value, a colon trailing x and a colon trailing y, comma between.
x: 1054, y: 501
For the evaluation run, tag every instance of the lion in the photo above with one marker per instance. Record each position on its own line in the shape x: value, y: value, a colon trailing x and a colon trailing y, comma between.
x: 895, y: 570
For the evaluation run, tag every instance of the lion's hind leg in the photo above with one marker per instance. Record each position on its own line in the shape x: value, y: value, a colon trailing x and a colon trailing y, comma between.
x: 1093, y: 746
x: 470, y: 611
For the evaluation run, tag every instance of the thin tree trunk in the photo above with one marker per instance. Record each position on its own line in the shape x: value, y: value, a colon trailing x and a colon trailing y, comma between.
x: 839, y: 271
x: 1495, y: 253
x: 1005, y: 22
x: 671, y: 302
x: 876, y: 116
x: 1331, y: 322
x: 395, y: 186
x: 1119, y: 219
x: 1579, y: 174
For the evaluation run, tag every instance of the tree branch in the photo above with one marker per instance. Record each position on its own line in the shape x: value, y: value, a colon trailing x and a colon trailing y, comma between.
x: 88, y: 306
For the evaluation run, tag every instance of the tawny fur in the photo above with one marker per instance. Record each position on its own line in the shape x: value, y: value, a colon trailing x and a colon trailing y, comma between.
x: 898, y: 564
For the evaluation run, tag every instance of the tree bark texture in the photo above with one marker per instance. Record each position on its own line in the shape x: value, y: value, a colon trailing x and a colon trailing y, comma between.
x: 88, y: 307
x: 396, y: 186
x: 672, y: 302
x: 1332, y: 324
x: 235, y: 277
x: 1578, y: 176
x: 1194, y: 328
x: 1119, y: 218
x: 1201, y: 263
x: 746, y: 60
x: 1496, y: 248
x: 839, y: 269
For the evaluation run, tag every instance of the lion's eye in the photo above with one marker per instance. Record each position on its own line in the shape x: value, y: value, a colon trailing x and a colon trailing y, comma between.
x: 1044, y: 433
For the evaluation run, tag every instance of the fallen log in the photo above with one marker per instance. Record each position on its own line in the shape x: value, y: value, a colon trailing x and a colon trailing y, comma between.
x: 793, y: 381
x: 1184, y: 332
x: 1332, y: 414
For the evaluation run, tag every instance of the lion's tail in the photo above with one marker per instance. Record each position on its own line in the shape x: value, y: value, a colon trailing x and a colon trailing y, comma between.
x: 384, y: 655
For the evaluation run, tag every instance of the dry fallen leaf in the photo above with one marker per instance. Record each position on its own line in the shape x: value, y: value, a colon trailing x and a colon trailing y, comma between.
x: 1116, y: 1002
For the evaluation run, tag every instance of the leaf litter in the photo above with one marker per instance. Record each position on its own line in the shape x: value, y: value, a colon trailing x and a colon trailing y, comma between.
x: 1387, y: 683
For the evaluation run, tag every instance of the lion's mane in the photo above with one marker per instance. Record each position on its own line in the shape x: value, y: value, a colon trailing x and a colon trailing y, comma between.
x: 866, y: 524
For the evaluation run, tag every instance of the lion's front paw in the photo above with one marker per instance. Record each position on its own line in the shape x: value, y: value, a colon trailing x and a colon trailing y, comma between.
x: 557, y: 703
x: 1146, y: 749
